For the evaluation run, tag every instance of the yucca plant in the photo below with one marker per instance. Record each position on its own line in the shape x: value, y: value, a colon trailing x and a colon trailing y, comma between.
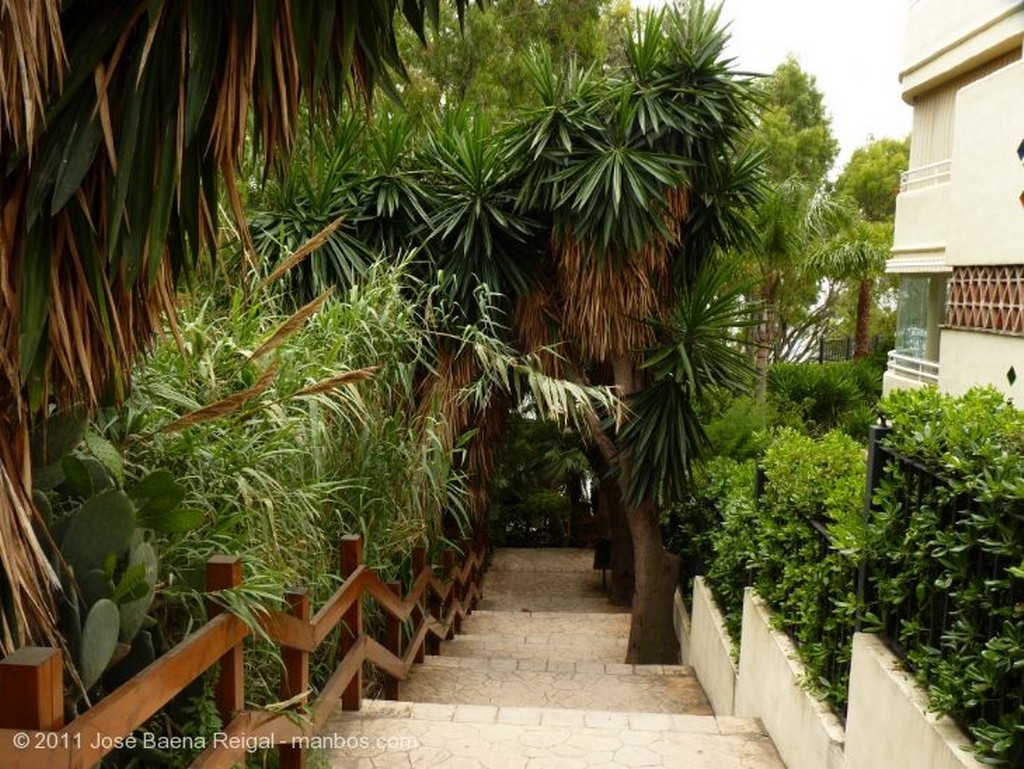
x: 644, y: 180
x: 117, y: 120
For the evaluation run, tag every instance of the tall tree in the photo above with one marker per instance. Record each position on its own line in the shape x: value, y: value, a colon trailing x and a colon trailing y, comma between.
x: 871, y: 179
x: 794, y: 126
x: 483, y: 64
x: 795, y: 135
x: 116, y: 120
x: 639, y: 176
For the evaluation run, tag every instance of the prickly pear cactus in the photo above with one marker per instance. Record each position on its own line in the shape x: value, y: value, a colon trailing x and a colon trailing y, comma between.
x: 99, y: 641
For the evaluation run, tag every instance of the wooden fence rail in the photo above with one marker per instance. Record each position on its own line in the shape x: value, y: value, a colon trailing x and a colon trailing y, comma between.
x: 32, y: 730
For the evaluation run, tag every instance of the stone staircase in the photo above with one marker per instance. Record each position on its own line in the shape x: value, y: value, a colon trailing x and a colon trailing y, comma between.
x: 536, y: 680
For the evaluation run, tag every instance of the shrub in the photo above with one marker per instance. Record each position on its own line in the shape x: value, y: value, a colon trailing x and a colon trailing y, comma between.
x: 943, y: 551
x: 797, y: 545
x: 817, y: 398
x: 947, y: 558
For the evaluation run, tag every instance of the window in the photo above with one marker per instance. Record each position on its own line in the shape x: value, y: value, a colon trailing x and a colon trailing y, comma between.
x: 921, y: 309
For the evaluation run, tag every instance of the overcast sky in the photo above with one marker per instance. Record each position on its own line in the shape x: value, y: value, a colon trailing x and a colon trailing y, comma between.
x: 855, y: 50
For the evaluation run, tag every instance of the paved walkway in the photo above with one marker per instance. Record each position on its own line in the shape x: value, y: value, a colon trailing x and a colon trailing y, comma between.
x: 536, y: 681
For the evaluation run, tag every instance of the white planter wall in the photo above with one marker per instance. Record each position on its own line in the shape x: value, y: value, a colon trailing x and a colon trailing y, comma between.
x: 888, y: 723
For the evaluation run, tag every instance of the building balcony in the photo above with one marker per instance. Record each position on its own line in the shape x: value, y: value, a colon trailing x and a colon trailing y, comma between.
x: 922, y: 217
x: 904, y: 371
x: 930, y: 175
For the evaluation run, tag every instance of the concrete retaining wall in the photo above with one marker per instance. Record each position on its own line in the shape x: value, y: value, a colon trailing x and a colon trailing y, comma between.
x: 806, y: 732
x: 711, y: 651
x: 888, y: 723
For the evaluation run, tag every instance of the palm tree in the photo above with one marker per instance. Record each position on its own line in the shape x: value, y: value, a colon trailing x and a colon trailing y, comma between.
x: 117, y: 119
x: 640, y: 175
x: 792, y: 221
x: 857, y: 255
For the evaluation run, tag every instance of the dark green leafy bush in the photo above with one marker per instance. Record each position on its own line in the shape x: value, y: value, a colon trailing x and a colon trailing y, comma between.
x: 944, y: 550
x: 817, y: 398
x: 948, y: 558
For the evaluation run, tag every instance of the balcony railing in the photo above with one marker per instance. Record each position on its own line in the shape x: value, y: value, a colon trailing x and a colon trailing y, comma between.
x: 916, y: 369
x: 926, y: 176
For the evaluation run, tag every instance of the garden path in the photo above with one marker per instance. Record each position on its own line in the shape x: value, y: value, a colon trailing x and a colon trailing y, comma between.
x: 536, y: 681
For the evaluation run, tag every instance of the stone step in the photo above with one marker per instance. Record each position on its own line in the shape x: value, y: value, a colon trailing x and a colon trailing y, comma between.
x: 407, y: 734
x: 556, y: 684
x: 546, y: 623
x: 554, y: 647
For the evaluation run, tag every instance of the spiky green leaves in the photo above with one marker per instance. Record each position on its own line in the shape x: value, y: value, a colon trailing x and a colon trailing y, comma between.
x: 696, y: 353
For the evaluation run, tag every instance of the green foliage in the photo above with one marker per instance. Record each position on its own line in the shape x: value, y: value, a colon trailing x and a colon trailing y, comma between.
x: 695, y: 354
x: 950, y: 555
x: 872, y: 177
x: 537, y: 491
x: 944, y: 552
x: 798, y: 545
x: 481, y: 64
x: 733, y: 425
x: 817, y: 398
x: 109, y: 571
x: 794, y: 128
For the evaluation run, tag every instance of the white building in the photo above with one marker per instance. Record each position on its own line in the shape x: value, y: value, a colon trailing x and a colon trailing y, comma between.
x: 959, y: 239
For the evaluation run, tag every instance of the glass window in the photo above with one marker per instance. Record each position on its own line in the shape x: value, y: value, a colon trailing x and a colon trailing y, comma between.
x: 922, y: 307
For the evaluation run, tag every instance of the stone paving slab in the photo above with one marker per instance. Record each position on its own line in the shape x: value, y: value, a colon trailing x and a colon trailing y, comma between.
x: 563, y: 580
x: 540, y: 623
x: 576, y: 647
x: 403, y: 734
x: 556, y: 684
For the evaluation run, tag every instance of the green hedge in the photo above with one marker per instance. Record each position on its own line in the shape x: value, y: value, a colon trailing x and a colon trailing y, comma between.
x: 780, y: 544
x: 947, y: 561
x: 948, y: 550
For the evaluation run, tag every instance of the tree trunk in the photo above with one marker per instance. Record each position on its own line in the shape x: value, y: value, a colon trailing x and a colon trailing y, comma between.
x: 652, y: 638
x: 764, y: 339
x: 861, y: 339
x: 623, y: 583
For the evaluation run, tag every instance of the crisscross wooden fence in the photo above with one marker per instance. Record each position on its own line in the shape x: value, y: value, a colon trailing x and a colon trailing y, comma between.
x: 32, y: 730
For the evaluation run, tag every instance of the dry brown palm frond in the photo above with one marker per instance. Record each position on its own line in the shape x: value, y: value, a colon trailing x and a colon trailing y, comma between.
x: 31, y: 56
x: 31, y: 579
x: 224, y: 406
x: 479, y: 461
x: 302, y: 252
x: 290, y: 326
x: 678, y: 203
x: 337, y: 380
x: 606, y: 305
x: 537, y: 322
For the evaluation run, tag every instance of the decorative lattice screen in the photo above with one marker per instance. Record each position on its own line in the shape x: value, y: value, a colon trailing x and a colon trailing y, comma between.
x: 987, y: 298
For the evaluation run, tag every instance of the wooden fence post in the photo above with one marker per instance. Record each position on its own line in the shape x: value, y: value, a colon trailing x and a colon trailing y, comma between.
x: 436, y: 607
x: 419, y: 563
x: 468, y: 554
x: 223, y: 572
x: 352, y: 631
x: 32, y: 682
x: 393, y: 642
x: 448, y: 564
x: 295, y: 678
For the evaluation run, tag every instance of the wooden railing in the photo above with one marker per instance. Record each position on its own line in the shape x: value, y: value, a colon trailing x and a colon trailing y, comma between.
x: 33, y: 735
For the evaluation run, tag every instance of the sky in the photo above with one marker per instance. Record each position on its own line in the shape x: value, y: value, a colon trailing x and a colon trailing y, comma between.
x: 854, y: 50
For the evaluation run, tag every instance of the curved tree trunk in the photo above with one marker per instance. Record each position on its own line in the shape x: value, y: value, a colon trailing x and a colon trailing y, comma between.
x: 652, y: 638
x: 623, y: 579
x: 861, y: 339
x: 652, y: 635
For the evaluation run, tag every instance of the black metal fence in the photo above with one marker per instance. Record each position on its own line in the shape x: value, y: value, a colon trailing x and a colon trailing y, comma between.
x: 842, y: 348
x: 922, y: 595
